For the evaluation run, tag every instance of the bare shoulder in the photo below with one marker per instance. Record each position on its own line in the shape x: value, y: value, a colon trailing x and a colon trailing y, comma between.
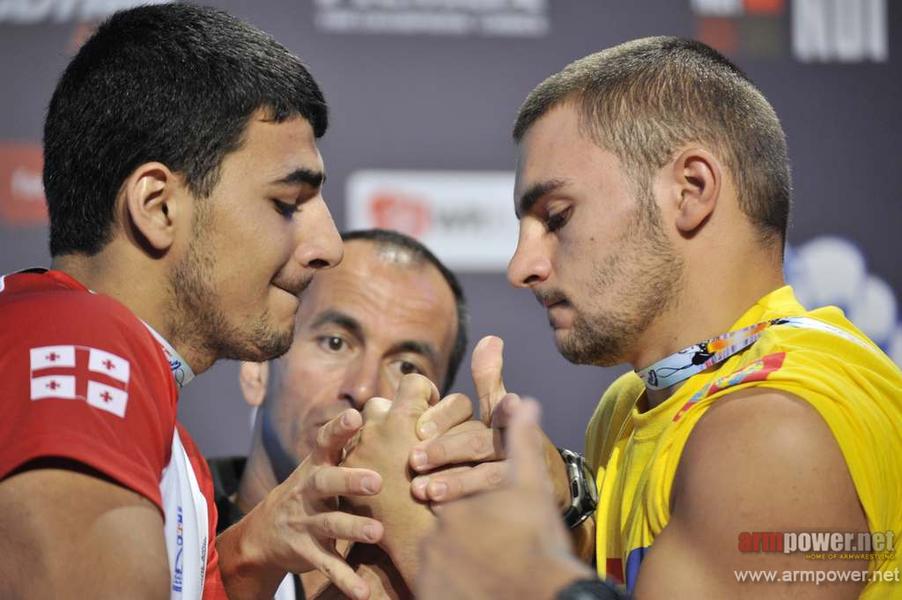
x: 69, y: 532
x: 757, y: 461
x: 771, y: 454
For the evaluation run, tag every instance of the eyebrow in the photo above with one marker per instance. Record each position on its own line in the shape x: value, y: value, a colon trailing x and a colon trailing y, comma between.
x: 532, y: 195
x: 417, y: 347
x: 303, y: 177
x: 339, y: 318
x: 353, y: 327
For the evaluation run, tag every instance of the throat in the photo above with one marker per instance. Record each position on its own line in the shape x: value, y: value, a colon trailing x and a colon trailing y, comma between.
x: 651, y: 399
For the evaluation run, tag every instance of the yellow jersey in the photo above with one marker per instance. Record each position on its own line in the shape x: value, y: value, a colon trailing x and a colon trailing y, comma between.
x: 852, y: 384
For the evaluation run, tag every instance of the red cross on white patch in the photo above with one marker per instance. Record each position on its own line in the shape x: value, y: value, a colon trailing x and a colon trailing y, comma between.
x: 80, y: 373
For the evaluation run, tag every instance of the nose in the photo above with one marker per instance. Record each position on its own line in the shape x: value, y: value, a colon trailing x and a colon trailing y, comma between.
x: 319, y: 245
x: 531, y: 262
x: 361, y: 382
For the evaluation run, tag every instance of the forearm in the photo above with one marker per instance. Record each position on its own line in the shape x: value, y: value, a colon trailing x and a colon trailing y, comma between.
x: 583, y: 536
x: 245, y: 573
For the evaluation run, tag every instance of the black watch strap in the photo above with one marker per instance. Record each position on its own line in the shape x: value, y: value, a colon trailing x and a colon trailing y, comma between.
x: 591, y: 589
x: 583, y: 494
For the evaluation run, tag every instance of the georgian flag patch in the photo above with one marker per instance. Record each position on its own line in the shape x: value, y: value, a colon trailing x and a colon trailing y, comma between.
x: 96, y: 376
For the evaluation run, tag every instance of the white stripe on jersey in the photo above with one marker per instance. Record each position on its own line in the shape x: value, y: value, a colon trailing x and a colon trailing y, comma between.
x: 187, y: 525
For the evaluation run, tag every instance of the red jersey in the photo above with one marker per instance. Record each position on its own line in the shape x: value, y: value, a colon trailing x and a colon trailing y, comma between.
x: 85, y: 379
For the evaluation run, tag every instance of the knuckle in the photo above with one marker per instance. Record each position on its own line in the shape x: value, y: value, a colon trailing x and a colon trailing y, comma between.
x: 436, y: 453
x: 479, y: 444
x: 328, y: 524
x: 332, y: 525
x: 319, y: 480
x: 456, y: 486
x: 351, y: 481
x: 495, y: 477
x: 326, y: 567
x: 322, y: 436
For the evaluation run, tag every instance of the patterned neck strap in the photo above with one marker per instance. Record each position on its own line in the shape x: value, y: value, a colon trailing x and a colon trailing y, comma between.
x: 682, y: 365
x: 181, y: 371
x: 685, y: 363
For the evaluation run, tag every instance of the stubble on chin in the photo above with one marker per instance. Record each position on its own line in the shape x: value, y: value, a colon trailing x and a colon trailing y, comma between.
x: 642, y: 279
x: 200, y: 323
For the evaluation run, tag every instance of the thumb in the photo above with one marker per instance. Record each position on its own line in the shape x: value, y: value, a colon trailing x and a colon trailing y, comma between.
x: 415, y: 394
x: 485, y: 366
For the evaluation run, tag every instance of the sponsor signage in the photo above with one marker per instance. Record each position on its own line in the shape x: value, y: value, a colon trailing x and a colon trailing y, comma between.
x: 21, y: 185
x: 813, y: 31
x: 487, y: 18
x: 465, y: 217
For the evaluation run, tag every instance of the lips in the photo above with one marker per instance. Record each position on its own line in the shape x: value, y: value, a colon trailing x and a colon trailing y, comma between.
x: 549, y: 299
x: 293, y: 287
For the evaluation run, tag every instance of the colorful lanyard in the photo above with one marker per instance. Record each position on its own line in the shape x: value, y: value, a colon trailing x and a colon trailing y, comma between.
x: 181, y: 371
x: 685, y: 363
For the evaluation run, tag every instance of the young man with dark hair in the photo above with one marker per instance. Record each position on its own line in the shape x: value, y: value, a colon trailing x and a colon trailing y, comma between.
x: 652, y: 192
x: 180, y: 148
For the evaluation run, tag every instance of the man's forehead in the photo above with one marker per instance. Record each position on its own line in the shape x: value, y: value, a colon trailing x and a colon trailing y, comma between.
x: 375, y: 276
x: 282, y: 147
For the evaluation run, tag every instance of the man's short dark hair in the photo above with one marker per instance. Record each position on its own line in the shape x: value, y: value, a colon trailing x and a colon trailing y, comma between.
x: 641, y: 100
x: 385, y: 238
x: 172, y: 83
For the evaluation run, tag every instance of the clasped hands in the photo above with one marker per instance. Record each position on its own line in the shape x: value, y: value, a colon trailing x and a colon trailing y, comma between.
x: 392, y: 466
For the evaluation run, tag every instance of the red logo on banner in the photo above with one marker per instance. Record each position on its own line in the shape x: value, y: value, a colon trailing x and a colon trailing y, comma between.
x: 764, y: 7
x: 21, y: 187
x: 407, y: 214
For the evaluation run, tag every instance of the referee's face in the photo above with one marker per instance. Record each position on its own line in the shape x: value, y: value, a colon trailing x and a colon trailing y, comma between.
x: 361, y: 326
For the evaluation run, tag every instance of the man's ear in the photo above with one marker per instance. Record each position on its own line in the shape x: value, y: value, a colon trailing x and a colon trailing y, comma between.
x: 155, y: 201
x: 698, y: 178
x: 253, y: 376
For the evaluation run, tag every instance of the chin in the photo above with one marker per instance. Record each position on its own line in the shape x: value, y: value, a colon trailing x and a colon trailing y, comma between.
x: 582, y: 347
x: 260, y: 344
x: 275, y: 346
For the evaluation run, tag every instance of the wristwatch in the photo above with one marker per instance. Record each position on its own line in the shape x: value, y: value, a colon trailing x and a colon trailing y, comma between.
x: 583, y: 494
x: 591, y: 589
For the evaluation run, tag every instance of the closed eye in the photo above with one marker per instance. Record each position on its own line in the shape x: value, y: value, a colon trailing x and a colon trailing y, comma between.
x: 554, y: 222
x: 286, y: 209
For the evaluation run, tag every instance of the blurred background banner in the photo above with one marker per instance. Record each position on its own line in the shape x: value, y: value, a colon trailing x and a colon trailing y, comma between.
x: 423, y: 94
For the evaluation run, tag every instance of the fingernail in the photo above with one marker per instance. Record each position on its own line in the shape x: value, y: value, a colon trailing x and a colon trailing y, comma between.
x: 418, y: 486
x: 346, y: 419
x: 370, y: 532
x: 437, y: 490
x: 368, y: 484
x: 418, y: 459
x: 428, y: 429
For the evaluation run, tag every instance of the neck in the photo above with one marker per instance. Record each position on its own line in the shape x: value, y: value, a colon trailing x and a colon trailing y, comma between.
x: 258, y: 477
x: 704, y: 310
x: 140, y: 285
